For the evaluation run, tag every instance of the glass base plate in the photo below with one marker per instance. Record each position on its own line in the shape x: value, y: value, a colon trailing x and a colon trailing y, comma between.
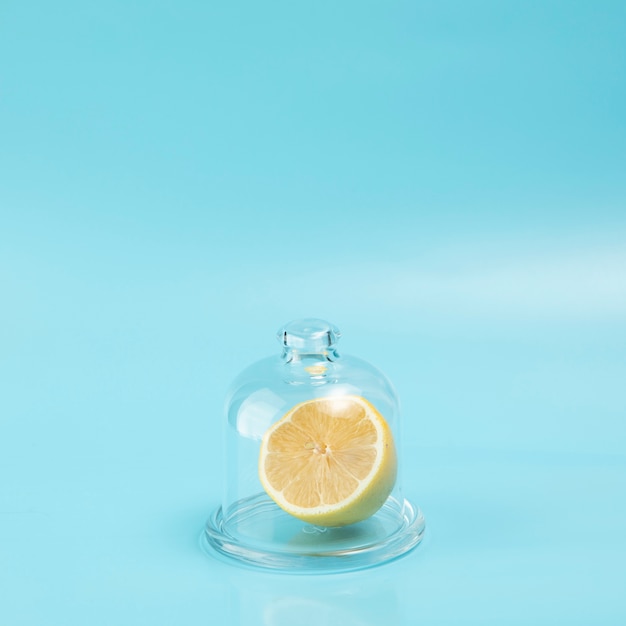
x: 258, y: 533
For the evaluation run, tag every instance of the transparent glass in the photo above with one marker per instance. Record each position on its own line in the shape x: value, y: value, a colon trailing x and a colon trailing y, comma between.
x: 249, y: 526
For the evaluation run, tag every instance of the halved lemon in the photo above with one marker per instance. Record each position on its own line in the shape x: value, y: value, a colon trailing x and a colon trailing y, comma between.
x: 329, y: 461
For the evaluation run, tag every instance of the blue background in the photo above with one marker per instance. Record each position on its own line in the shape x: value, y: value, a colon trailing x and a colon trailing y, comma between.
x: 444, y: 180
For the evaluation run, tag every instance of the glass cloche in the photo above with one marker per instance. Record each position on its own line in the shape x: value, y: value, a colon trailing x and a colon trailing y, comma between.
x: 313, y: 462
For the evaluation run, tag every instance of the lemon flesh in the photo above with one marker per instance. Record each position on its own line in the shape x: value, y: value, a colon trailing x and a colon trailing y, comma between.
x: 329, y: 461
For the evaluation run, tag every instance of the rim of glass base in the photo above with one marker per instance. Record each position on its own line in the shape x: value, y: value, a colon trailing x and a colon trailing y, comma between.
x: 217, y: 541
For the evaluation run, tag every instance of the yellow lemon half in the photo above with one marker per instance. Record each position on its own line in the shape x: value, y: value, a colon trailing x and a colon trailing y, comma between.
x: 329, y: 461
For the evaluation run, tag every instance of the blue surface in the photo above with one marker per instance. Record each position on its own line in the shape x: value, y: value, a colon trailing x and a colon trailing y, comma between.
x: 443, y: 180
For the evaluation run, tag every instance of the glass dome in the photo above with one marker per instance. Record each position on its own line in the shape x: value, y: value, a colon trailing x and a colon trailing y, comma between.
x: 309, y: 387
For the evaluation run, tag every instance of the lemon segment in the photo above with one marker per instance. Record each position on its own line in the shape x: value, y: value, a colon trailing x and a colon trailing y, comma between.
x: 329, y: 461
